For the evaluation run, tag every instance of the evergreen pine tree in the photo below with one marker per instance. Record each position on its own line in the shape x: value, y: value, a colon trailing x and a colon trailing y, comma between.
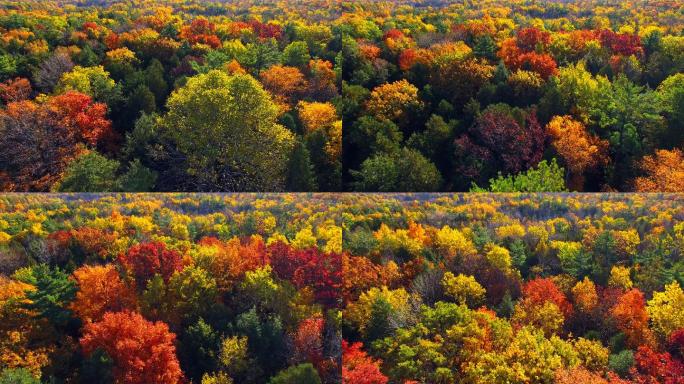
x: 300, y: 177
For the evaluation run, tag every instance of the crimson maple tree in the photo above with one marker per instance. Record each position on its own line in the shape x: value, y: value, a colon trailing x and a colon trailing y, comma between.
x: 148, y: 259
x: 142, y: 352
x: 358, y: 367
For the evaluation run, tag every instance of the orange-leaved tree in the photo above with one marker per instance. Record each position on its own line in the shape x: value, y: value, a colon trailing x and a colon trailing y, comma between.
x: 142, y: 352
x: 100, y: 290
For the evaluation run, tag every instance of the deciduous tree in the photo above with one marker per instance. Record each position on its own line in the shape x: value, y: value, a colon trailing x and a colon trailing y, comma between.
x: 666, y: 310
x: 284, y: 82
x: 632, y: 318
x: 358, y: 367
x: 316, y: 116
x: 101, y: 290
x: 142, y: 352
x: 148, y: 259
x: 392, y: 101
x: 500, y: 141
x: 464, y: 289
x: 226, y: 126
x: 664, y: 172
x: 15, y: 90
x: 39, y: 140
x: 579, y: 149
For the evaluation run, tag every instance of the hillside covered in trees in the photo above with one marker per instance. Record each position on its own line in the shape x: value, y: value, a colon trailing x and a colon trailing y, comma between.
x: 589, y: 92
x: 172, y: 95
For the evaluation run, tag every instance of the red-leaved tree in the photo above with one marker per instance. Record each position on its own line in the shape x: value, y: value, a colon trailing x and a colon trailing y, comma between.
x: 676, y: 343
x: 358, y: 367
x: 40, y: 139
x: 541, y: 290
x: 624, y: 44
x: 148, y: 259
x: 201, y: 31
x: 309, y: 267
x: 631, y: 317
x: 500, y: 142
x: 308, y: 341
x: 142, y: 352
x: 531, y: 38
x: 652, y: 367
x: 15, y: 90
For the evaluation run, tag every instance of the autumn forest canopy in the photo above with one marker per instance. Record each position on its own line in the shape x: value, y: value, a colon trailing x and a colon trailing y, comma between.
x: 169, y: 289
x: 169, y: 96
x: 513, y: 95
x: 490, y: 102
x: 325, y: 95
x: 347, y: 288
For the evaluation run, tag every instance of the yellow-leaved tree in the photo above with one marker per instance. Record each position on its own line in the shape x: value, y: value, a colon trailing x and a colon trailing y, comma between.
x: 227, y: 128
x: 666, y: 310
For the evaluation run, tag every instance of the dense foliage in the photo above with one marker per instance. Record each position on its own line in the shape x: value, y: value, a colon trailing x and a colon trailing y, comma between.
x: 501, y: 288
x: 460, y: 92
x: 474, y: 288
x: 328, y: 95
x: 173, y: 95
x: 170, y: 289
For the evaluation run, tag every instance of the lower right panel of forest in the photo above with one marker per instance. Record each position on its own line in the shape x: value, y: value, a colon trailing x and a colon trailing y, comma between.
x: 513, y: 288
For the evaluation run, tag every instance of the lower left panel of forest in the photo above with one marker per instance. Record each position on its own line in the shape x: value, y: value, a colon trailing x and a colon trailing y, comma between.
x: 170, y: 288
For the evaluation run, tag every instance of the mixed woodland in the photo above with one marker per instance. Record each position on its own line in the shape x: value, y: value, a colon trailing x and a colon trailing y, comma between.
x: 465, y: 94
x: 170, y: 289
x: 187, y: 95
x: 511, y: 288
x: 172, y: 95
x: 327, y: 95
x: 351, y: 288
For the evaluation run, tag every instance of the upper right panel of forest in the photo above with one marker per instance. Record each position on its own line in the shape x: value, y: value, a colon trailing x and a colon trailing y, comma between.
x: 510, y: 95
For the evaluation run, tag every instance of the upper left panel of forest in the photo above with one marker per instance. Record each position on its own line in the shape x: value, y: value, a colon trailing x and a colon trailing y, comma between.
x: 170, y: 95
